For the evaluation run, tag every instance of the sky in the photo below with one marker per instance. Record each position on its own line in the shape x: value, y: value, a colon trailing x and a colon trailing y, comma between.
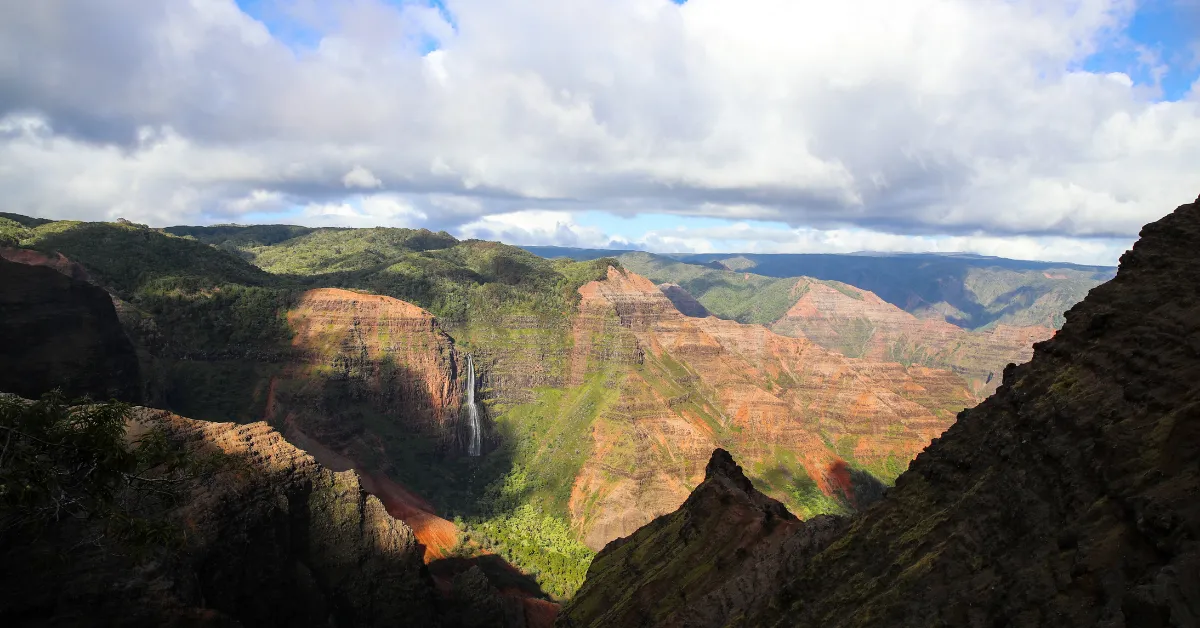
x: 1035, y: 129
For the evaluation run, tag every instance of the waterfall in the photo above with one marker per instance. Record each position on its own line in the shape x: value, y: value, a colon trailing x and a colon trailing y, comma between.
x: 475, y: 444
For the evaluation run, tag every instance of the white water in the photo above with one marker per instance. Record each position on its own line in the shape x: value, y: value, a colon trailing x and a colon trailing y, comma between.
x: 475, y: 444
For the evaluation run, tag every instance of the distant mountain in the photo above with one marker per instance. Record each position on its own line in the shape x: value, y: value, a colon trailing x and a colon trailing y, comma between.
x: 581, y: 255
x: 971, y: 291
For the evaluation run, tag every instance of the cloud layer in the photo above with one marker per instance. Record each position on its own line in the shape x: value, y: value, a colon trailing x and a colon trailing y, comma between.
x: 871, y: 123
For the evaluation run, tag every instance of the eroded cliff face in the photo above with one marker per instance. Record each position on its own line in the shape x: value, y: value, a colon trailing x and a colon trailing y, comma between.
x: 366, y: 368
x: 61, y: 332
x: 789, y: 407
x: 1068, y: 498
x: 270, y: 539
x: 857, y: 323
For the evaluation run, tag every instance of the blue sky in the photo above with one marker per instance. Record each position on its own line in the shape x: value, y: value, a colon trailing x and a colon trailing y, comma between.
x: 1167, y: 30
x: 710, y: 125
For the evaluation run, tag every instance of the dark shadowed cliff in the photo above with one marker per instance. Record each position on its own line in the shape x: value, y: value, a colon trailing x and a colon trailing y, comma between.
x: 61, y: 332
x: 1071, y: 497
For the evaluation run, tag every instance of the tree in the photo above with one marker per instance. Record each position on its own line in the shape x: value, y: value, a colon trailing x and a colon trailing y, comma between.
x: 64, y: 463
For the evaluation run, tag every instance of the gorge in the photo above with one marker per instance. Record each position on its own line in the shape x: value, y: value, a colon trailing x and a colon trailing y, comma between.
x: 518, y: 414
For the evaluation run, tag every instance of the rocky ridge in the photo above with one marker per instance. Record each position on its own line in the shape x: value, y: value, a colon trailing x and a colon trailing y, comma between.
x: 1068, y: 498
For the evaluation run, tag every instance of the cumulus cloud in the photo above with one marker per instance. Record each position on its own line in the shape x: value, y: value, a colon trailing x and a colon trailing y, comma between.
x: 539, y: 227
x: 360, y: 177
x: 946, y: 118
x: 376, y: 210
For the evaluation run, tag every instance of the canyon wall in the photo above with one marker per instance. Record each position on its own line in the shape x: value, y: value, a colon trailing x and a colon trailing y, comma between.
x: 61, y: 332
x: 857, y: 323
x: 361, y: 358
x: 793, y: 408
x: 1065, y: 499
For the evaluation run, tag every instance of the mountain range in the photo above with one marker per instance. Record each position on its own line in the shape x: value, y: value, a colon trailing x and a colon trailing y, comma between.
x: 604, y: 385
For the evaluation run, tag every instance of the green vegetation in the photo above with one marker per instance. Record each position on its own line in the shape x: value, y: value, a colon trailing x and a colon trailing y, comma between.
x: 64, y: 463
x: 540, y: 544
x: 737, y: 296
x: 523, y: 515
x: 1031, y: 297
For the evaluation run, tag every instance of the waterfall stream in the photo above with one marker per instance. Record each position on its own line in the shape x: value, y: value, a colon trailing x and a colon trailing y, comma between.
x: 475, y: 444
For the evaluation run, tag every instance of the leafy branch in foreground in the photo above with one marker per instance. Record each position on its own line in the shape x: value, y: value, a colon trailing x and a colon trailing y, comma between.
x: 62, y: 463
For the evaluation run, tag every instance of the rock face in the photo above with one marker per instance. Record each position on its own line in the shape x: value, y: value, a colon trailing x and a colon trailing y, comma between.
x: 273, y: 539
x: 857, y: 323
x: 57, y: 261
x: 720, y: 551
x: 1066, y: 499
x: 61, y: 332
x: 366, y: 360
x: 791, y: 408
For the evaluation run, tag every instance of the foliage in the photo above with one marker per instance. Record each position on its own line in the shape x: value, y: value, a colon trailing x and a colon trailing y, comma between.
x: 13, y: 232
x: 321, y: 251
x: 541, y: 544
x: 808, y: 500
x: 226, y: 318
x: 26, y: 221
x: 73, y: 463
x: 126, y: 257
x: 743, y: 297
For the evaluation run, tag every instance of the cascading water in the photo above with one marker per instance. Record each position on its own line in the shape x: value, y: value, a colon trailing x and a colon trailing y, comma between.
x: 475, y: 442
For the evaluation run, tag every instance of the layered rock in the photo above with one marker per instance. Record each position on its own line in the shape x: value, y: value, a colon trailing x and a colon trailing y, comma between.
x: 1068, y: 498
x: 791, y: 407
x: 857, y: 323
x: 366, y: 362
x: 271, y: 539
x: 61, y: 332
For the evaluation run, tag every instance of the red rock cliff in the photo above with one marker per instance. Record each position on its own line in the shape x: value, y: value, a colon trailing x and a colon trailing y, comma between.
x: 785, y: 404
x: 858, y: 323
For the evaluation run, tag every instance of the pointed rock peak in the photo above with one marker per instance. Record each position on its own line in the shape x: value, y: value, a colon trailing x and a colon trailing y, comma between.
x: 721, y: 465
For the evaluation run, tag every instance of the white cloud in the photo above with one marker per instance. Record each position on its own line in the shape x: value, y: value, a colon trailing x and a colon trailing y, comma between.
x: 376, y: 210
x: 538, y: 227
x: 360, y: 177
x: 966, y: 117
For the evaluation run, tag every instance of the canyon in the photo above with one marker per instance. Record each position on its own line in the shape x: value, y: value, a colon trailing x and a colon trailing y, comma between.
x: 517, y: 414
x: 1065, y: 499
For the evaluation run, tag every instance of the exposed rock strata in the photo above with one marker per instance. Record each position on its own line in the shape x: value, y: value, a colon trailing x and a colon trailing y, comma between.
x: 1069, y: 498
x: 273, y: 539
x: 364, y: 356
x: 694, y: 384
x: 858, y: 323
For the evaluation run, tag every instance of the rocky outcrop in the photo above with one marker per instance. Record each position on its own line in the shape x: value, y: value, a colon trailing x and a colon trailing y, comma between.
x: 57, y: 261
x: 271, y: 539
x: 786, y: 405
x: 859, y: 324
x: 722, y: 551
x: 1068, y: 498
x: 61, y: 332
